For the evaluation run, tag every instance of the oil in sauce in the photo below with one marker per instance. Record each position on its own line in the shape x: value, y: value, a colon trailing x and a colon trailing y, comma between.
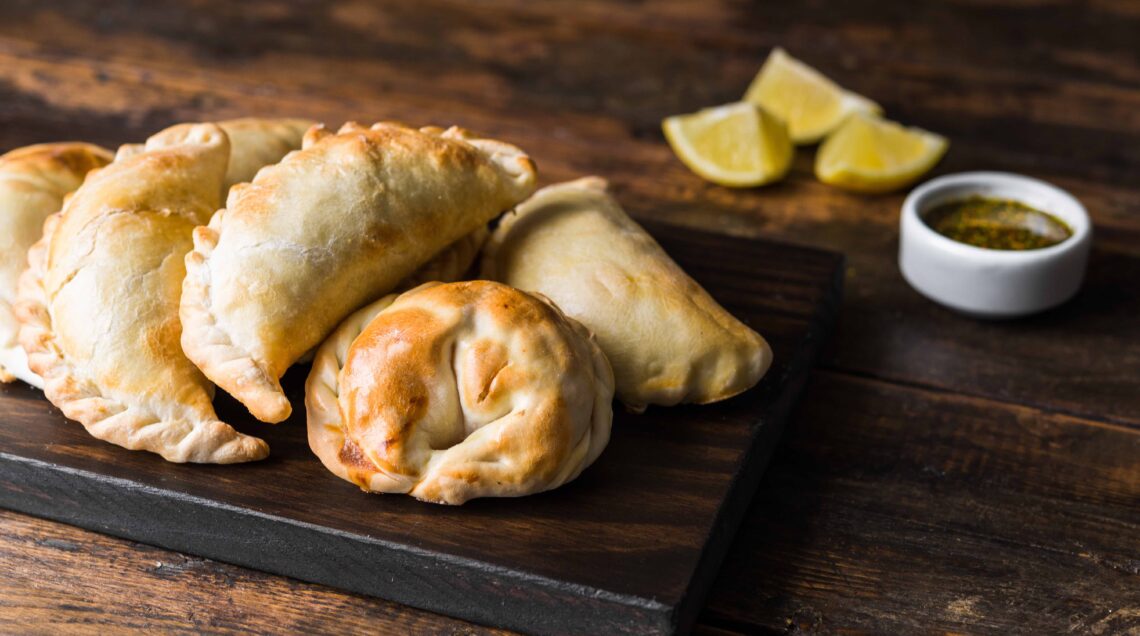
x: 998, y: 224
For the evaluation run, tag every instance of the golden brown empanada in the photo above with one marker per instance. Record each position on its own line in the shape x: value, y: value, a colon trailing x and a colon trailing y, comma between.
x: 667, y: 339
x: 454, y: 391
x: 99, y: 301
x: 33, y: 182
x: 330, y: 228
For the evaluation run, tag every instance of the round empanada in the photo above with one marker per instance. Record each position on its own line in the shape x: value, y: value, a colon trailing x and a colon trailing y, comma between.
x: 450, y: 392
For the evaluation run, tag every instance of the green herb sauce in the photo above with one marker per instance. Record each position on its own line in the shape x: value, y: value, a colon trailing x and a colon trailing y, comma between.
x: 997, y: 224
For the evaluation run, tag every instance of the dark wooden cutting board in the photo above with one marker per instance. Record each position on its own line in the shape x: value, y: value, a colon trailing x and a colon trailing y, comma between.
x: 630, y: 547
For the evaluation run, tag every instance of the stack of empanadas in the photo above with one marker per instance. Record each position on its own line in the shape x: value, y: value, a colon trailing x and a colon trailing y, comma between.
x: 141, y: 295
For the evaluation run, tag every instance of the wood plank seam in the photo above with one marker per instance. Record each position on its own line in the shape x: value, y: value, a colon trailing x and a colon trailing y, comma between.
x: 1085, y: 416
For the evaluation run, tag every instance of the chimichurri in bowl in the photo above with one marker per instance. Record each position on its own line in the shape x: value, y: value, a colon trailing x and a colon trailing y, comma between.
x: 993, y: 244
x: 996, y: 224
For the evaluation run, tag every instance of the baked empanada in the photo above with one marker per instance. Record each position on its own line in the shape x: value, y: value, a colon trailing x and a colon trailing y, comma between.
x: 454, y: 391
x: 99, y: 301
x: 330, y: 228
x: 667, y: 339
x: 33, y: 182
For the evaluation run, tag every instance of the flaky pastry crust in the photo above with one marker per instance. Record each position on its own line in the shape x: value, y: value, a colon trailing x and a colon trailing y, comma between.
x: 329, y: 228
x: 98, y: 304
x: 33, y: 183
x: 667, y: 339
x: 450, y: 392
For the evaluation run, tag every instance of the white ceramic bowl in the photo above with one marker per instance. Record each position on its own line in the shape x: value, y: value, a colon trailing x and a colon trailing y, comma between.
x: 990, y: 283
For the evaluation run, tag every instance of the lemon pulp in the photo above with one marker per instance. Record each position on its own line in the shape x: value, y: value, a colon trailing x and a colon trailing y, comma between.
x: 869, y: 154
x: 736, y: 144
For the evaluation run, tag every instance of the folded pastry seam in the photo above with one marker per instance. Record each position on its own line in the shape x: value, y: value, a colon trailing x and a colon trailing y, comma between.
x: 211, y: 341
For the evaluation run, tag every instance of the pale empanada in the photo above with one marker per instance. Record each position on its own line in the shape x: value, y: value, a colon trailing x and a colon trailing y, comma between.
x: 454, y: 391
x: 330, y: 228
x: 99, y: 301
x: 33, y: 182
x: 667, y: 339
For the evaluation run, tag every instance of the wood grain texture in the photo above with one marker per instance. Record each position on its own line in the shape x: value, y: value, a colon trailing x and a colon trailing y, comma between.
x: 99, y: 584
x: 899, y: 510
x: 631, y: 546
x: 1044, y: 87
x: 888, y: 510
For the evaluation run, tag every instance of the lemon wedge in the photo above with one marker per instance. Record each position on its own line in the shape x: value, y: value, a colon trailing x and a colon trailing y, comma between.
x: 810, y: 104
x: 738, y: 144
x: 869, y: 154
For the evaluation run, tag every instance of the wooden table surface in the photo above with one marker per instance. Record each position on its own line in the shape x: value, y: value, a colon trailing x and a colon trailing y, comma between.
x: 940, y: 474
